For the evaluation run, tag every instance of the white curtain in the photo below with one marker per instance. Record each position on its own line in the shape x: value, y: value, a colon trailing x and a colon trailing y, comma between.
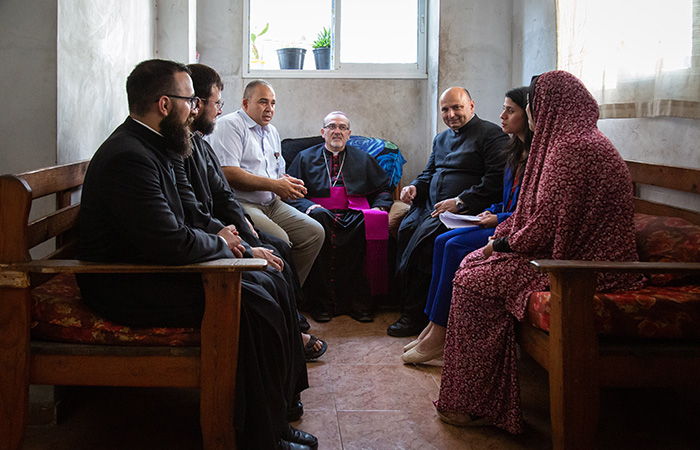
x: 639, y: 58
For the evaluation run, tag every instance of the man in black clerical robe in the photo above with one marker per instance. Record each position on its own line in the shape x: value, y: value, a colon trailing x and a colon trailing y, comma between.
x: 131, y: 211
x: 464, y: 175
x: 351, y: 267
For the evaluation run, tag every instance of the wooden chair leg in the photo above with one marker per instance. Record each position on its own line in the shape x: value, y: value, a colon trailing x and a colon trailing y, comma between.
x: 219, y: 359
x: 573, y: 375
x: 14, y: 367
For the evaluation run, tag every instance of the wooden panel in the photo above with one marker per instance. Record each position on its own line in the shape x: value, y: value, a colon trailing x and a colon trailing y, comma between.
x: 64, y: 348
x: 55, y: 179
x: 14, y: 215
x: 220, y: 328
x: 573, y: 360
x: 52, y: 225
x: 659, y: 209
x: 651, y: 371
x: 535, y: 342
x: 67, y: 250
x: 562, y: 265
x: 678, y: 178
x: 76, y: 266
x: 14, y: 366
x: 94, y: 370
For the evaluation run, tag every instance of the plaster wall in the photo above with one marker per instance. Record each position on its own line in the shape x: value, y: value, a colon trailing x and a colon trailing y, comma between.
x: 99, y: 43
x: 176, y: 30
x: 534, y: 39
x: 28, y: 74
x: 475, y: 52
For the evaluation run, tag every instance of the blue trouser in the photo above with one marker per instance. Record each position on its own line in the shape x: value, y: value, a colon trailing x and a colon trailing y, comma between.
x: 450, y: 248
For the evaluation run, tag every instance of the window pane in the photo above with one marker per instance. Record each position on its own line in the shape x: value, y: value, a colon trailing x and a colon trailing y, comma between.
x: 603, y: 41
x: 379, y: 31
x: 289, y: 24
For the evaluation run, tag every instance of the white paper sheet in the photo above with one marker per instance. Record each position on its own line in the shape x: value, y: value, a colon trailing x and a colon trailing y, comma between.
x: 452, y: 220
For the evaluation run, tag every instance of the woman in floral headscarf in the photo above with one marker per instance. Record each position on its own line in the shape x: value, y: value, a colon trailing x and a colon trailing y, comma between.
x: 576, y: 203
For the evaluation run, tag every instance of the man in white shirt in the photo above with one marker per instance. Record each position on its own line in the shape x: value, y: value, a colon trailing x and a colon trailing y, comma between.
x: 249, y: 150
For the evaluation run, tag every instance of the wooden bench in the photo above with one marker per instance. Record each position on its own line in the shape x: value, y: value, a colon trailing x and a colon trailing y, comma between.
x: 24, y: 361
x: 579, y: 360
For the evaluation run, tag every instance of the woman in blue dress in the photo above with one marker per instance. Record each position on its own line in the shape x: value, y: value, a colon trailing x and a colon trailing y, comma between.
x: 451, y: 247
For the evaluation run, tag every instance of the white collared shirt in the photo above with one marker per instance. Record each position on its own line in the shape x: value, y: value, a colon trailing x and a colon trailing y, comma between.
x: 239, y: 141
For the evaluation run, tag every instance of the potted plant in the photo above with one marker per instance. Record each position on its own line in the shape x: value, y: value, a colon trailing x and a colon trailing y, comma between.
x: 322, y: 50
x: 256, y: 58
x: 291, y: 57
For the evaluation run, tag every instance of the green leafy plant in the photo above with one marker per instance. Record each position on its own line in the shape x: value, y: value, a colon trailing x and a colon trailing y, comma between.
x: 323, y: 39
x: 253, y: 37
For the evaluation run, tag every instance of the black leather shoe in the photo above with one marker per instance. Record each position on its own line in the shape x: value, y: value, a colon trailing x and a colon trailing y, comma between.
x: 295, y: 411
x: 303, y: 323
x: 406, y: 326
x: 291, y: 434
x: 321, y: 316
x: 362, y: 316
x: 286, y: 445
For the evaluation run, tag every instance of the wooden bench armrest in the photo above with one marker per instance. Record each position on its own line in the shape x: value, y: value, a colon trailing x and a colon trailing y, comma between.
x: 17, y: 275
x: 560, y: 266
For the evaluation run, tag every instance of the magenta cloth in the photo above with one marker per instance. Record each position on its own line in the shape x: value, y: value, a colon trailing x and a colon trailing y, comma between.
x: 376, y: 235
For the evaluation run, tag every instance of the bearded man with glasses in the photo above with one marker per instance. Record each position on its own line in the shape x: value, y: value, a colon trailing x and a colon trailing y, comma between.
x: 132, y: 212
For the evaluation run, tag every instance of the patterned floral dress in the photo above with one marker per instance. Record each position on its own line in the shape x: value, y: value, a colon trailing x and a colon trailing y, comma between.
x: 576, y: 203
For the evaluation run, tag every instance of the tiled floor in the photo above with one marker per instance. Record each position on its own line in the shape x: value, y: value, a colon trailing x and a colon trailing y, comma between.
x: 363, y: 398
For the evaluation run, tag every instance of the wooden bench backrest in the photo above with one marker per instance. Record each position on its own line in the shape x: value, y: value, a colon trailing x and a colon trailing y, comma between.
x: 674, y: 178
x: 17, y: 195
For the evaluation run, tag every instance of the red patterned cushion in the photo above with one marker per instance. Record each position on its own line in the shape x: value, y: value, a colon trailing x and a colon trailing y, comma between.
x: 58, y: 314
x: 666, y: 239
x: 668, y: 312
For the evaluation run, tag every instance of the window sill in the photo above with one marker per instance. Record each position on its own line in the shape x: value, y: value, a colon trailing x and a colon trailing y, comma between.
x: 332, y: 74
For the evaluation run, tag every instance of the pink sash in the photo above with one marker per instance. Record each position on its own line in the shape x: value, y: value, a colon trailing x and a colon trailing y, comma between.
x: 376, y: 235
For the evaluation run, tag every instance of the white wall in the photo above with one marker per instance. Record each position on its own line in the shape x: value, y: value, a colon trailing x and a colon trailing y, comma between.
x: 99, y: 43
x: 476, y: 52
x: 534, y: 39
x: 28, y: 77
x: 176, y: 30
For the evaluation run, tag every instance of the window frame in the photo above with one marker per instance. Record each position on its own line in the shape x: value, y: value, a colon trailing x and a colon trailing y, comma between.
x: 416, y: 70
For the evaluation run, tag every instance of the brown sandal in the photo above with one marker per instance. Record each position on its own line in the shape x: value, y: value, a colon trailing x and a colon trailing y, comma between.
x: 462, y: 419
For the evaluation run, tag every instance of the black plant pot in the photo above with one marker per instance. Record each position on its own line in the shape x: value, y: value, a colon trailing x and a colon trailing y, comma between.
x: 291, y: 58
x: 322, y: 57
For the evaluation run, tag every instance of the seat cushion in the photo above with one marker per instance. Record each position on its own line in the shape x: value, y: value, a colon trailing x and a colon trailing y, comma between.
x: 659, y: 312
x: 59, y: 314
x: 666, y: 239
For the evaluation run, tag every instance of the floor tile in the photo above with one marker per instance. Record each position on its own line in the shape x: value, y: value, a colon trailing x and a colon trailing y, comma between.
x: 374, y: 387
x: 362, y: 397
x: 403, y: 430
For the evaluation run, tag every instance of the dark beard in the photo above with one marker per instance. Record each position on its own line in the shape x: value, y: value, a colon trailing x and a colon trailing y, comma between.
x: 177, y: 134
x: 200, y: 124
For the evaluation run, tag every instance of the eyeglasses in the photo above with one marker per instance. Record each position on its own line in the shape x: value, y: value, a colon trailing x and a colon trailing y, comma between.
x: 194, y: 101
x: 219, y: 104
x: 333, y: 127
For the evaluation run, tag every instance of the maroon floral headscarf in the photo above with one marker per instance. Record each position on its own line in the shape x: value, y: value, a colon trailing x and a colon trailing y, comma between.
x: 576, y: 194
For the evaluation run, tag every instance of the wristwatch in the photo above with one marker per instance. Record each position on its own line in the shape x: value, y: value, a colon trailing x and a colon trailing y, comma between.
x: 460, y: 203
